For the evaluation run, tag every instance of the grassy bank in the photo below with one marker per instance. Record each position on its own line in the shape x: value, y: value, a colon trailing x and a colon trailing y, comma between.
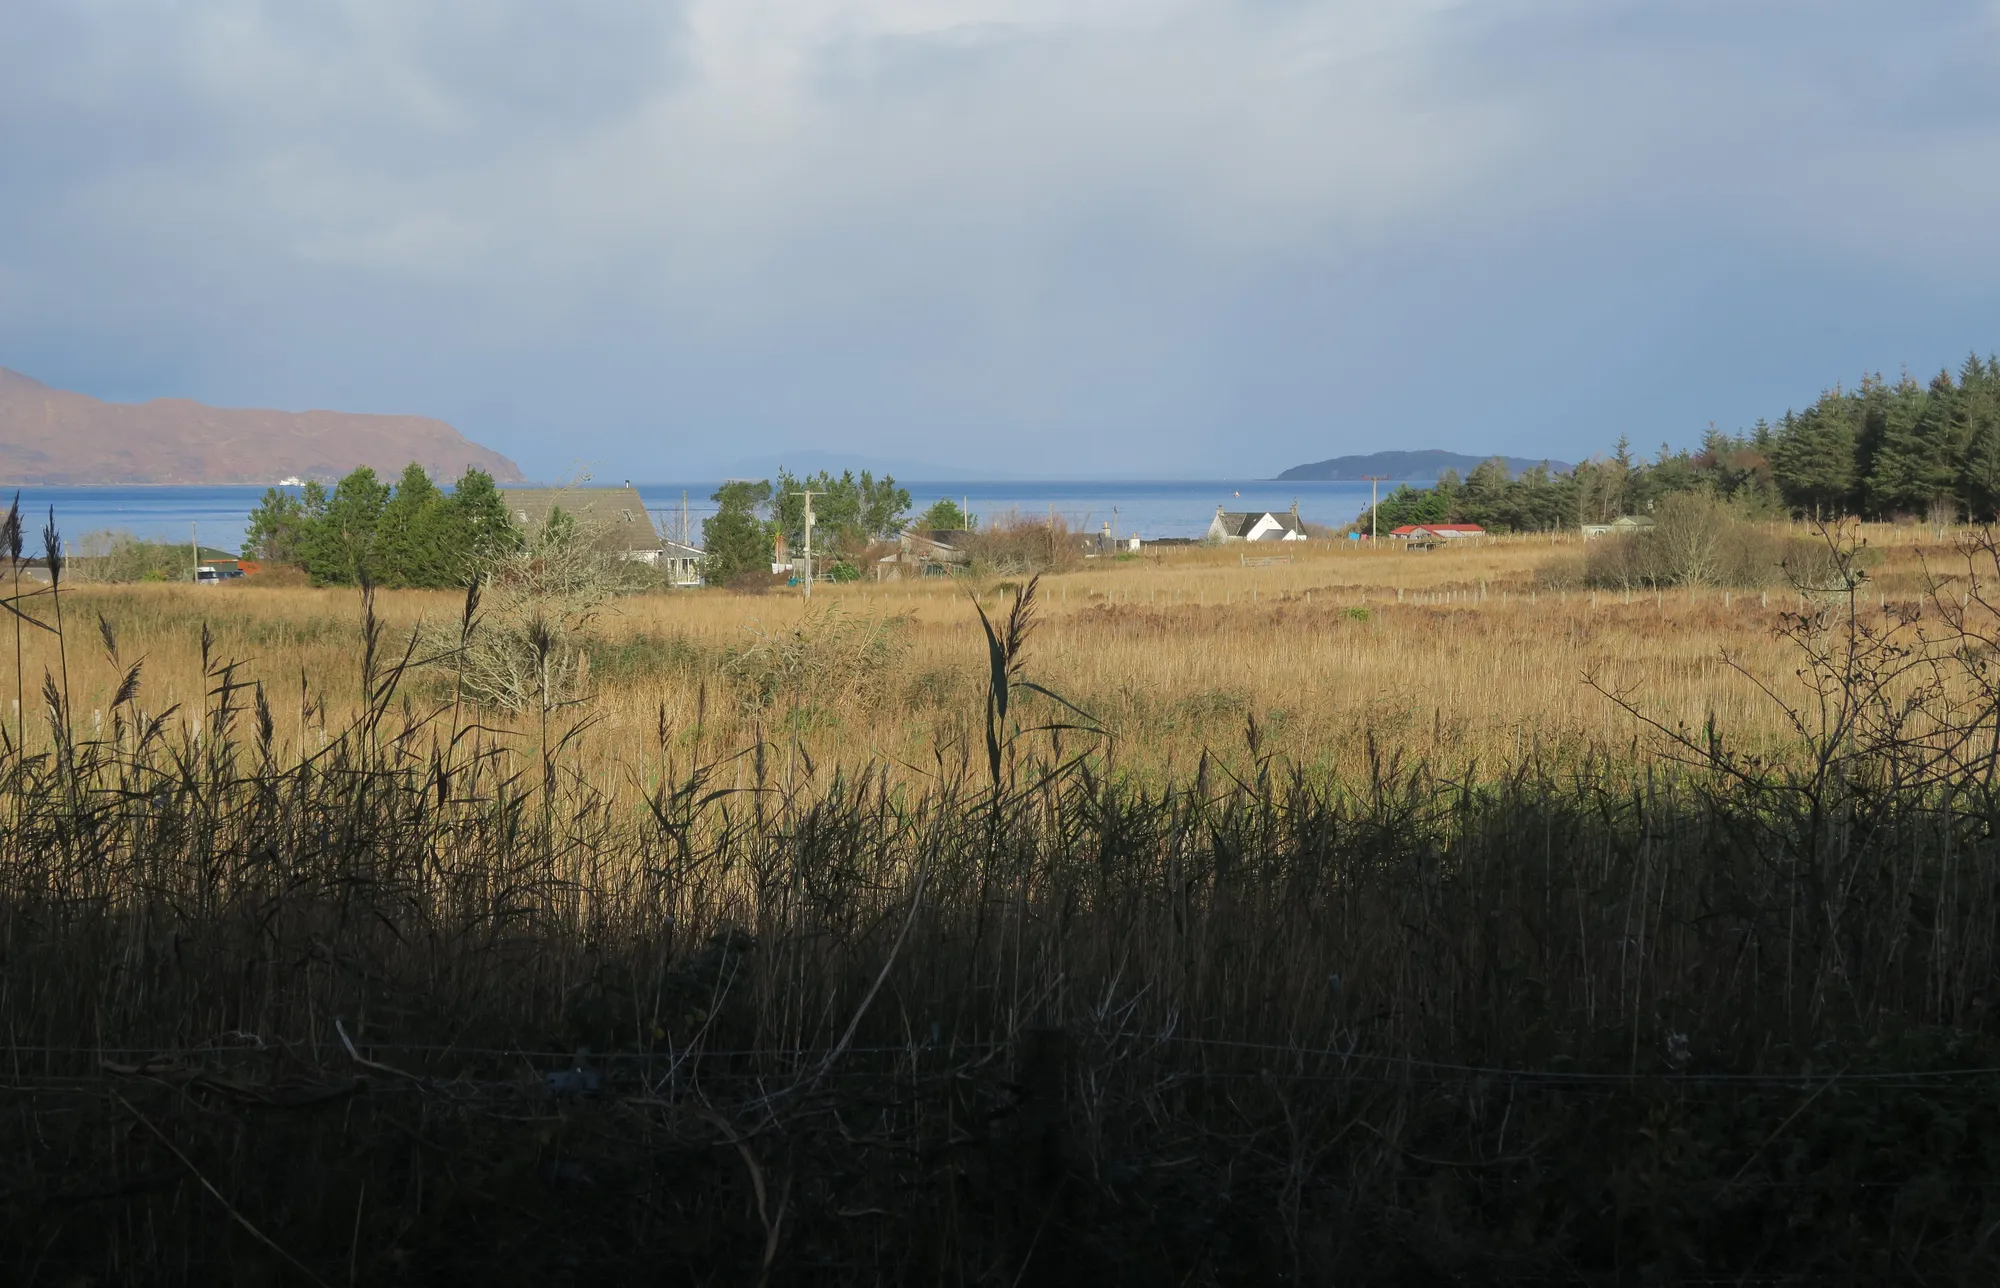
x: 388, y: 989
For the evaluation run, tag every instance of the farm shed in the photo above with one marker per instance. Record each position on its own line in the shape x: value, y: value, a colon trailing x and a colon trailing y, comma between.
x: 924, y: 553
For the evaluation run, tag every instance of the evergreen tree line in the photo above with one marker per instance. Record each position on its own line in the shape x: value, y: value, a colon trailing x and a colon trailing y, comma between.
x: 411, y: 533
x: 1878, y: 451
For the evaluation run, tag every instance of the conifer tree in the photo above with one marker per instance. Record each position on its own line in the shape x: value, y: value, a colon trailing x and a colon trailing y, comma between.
x: 404, y: 551
x: 1812, y: 458
x: 336, y: 546
x: 735, y: 538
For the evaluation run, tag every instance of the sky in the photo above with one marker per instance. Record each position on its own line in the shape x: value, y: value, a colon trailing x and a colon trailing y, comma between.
x: 1032, y: 238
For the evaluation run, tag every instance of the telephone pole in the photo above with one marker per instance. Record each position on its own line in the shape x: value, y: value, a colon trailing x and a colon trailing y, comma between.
x: 807, y: 554
x: 1374, y: 485
x: 194, y: 544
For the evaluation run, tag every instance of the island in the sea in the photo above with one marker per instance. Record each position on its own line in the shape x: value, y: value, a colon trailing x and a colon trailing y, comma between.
x: 55, y: 437
x: 1425, y: 465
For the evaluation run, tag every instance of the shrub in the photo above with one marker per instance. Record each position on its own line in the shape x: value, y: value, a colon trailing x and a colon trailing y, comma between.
x: 1014, y: 544
x: 540, y: 603
x: 829, y: 656
x: 1563, y: 572
x: 1696, y: 541
x: 121, y: 557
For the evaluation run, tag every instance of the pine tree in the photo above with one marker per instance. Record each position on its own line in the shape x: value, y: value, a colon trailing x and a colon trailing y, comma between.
x: 944, y: 515
x: 404, y: 550
x: 1912, y: 467
x: 480, y: 527
x: 1978, y: 413
x: 1868, y: 412
x: 736, y: 540
x: 1812, y: 457
x: 335, y: 550
x: 277, y: 527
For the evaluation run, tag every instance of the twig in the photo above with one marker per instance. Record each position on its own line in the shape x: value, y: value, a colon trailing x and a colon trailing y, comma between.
x: 357, y: 1057
x: 227, y: 1206
x: 895, y: 950
x: 773, y: 1226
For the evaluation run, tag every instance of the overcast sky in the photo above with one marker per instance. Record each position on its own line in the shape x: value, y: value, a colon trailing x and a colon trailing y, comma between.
x: 1062, y: 238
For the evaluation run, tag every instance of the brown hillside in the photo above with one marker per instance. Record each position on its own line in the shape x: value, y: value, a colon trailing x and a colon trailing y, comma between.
x: 52, y: 436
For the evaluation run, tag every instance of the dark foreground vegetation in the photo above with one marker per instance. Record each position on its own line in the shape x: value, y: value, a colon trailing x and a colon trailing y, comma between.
x: 427, y: 1004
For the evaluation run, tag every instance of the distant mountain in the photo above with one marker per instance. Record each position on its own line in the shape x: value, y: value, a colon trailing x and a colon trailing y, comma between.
x: 1427, y: 464
x: 51, y: 436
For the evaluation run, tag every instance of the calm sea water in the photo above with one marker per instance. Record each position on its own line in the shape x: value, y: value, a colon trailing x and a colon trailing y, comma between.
x: 1151, y: 509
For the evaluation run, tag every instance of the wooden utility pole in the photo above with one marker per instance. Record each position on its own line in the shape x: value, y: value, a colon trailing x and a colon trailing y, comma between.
x: 194, y: 545
x: 807, y: 554
x: 1374, y: 489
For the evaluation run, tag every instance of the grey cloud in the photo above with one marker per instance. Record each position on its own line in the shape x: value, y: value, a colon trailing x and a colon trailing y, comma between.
x: 1040, y: 232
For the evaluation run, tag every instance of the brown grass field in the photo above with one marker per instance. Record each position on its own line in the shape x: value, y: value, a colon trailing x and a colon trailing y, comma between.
x: 1453, y: 656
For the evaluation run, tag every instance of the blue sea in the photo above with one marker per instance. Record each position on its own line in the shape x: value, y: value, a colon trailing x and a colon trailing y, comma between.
x: 217, y: 515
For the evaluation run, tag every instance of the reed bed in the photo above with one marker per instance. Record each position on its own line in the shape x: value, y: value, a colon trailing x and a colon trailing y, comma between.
x: 386, y: 989
x: 1454, y: 655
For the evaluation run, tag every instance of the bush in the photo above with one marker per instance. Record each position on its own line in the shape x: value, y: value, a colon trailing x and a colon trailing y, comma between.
x: 540, y: 601
x: 1696, y: 541
x: 121, y: 557
x: 1013, y: 544
x: 829, y: 654
x: 1563, y: 572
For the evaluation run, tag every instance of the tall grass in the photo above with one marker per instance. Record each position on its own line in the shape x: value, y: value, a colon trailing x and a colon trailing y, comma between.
x: 412, y: 997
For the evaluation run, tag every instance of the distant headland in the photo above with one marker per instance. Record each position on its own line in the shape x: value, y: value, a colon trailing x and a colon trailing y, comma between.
x: 1411, y: 466
x: 54, y: 437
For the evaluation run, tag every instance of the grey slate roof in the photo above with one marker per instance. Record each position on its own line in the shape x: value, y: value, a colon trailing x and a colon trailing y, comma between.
x: 615, y: 512
x: 1235, y: 524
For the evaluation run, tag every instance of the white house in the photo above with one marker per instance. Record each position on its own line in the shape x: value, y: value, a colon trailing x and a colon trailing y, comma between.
x: 1259, y: 525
